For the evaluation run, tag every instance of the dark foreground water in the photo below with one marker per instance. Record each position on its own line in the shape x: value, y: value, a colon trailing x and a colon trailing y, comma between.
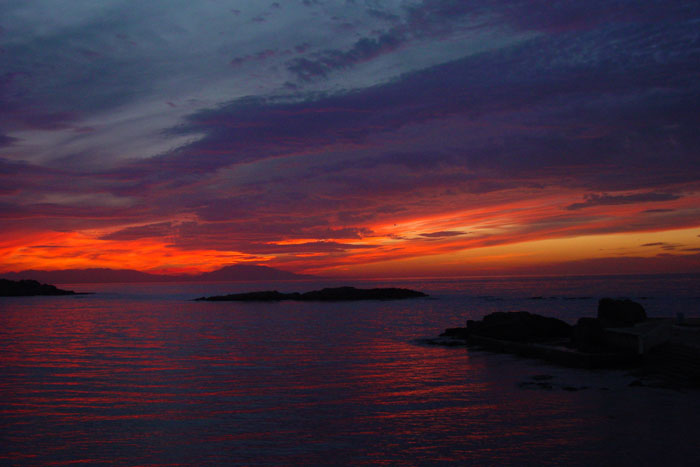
x: 138, y: 375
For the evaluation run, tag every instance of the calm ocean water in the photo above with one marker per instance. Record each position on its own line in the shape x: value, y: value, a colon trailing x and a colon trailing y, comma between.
x: 137, y: 374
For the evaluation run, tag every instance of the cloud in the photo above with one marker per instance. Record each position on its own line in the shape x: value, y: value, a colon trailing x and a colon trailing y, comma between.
x: 289, y: 140
x: 161, y: 229
x: 606, y: 199
x: 342, y: 233
x: 6, y: 140
x: 442, y: 234
x: 301, y: 248
x: 665, y: 245
x: 323, y: 63
x: 258, y: 56
x: 668, y: 263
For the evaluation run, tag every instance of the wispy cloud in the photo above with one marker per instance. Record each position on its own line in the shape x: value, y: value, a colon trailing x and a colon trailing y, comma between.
x: 606, y: 199
x: 442, y: 234
x: 336, y: 133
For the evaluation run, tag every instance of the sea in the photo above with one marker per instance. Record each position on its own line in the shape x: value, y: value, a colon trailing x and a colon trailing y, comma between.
x: 140, y: 374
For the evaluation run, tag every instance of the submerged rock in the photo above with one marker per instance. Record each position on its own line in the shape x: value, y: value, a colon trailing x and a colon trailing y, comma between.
x: 335, y: 294
x: 27, y: 287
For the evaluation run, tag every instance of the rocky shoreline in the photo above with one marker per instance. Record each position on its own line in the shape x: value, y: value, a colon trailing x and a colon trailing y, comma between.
x: 665, y: 351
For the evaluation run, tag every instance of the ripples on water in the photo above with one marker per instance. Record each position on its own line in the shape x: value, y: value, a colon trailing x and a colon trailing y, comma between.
x: 138, y: 375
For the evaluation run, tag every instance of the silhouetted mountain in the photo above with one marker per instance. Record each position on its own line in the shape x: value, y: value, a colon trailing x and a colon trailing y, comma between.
x: 238, y: 272
x: 336, y: 294
x: 80, y: 276
x: 247, y: 272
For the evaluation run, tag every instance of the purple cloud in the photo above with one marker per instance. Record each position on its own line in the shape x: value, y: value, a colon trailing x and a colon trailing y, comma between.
x: 658, y: 211
x: 6, y: 140
x: 598, y: 99
x: 161, y: 229
x: 605, y: 199
x: 328, y: 61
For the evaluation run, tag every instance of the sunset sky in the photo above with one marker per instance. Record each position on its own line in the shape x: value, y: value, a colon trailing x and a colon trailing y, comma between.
x: 351, y: 138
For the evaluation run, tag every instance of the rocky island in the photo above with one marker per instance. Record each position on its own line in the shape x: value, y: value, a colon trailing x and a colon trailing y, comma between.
x: 26, y: 287
x: 336, y: 294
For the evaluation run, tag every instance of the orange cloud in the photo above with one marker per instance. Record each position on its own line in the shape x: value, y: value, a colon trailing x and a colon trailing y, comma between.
x: 498, y: 235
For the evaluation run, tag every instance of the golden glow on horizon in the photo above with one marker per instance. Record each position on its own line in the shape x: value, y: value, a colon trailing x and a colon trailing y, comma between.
x: 496, y: 236
x: 532, y: 253
x: 77, y: 250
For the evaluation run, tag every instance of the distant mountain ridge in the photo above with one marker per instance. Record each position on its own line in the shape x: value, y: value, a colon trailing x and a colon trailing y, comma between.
x: 234, y: 273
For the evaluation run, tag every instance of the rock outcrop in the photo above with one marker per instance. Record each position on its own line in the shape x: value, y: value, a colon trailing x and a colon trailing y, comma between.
x: 27, y: 287
x: 589, y: 335
x: 614, y: 313
x: 517, y: 326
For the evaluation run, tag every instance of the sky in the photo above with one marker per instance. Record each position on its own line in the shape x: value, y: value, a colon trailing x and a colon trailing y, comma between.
x: 357, y: 138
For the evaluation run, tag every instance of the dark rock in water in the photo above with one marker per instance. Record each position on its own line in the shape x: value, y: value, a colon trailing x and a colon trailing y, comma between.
x: 620, y: 313
x: 551, y: 339
x: 9, y: 288
x: 520, y: 326
x: 589, y: 335
x: 455, y: 333
x: 336, y: 294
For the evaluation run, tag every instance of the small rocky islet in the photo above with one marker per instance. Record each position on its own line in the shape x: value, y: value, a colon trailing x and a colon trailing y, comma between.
x: 28, y: 287
x: 334, y: 294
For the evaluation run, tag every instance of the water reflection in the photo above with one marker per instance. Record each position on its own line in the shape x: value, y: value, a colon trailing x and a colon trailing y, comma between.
x: 168, y: 382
